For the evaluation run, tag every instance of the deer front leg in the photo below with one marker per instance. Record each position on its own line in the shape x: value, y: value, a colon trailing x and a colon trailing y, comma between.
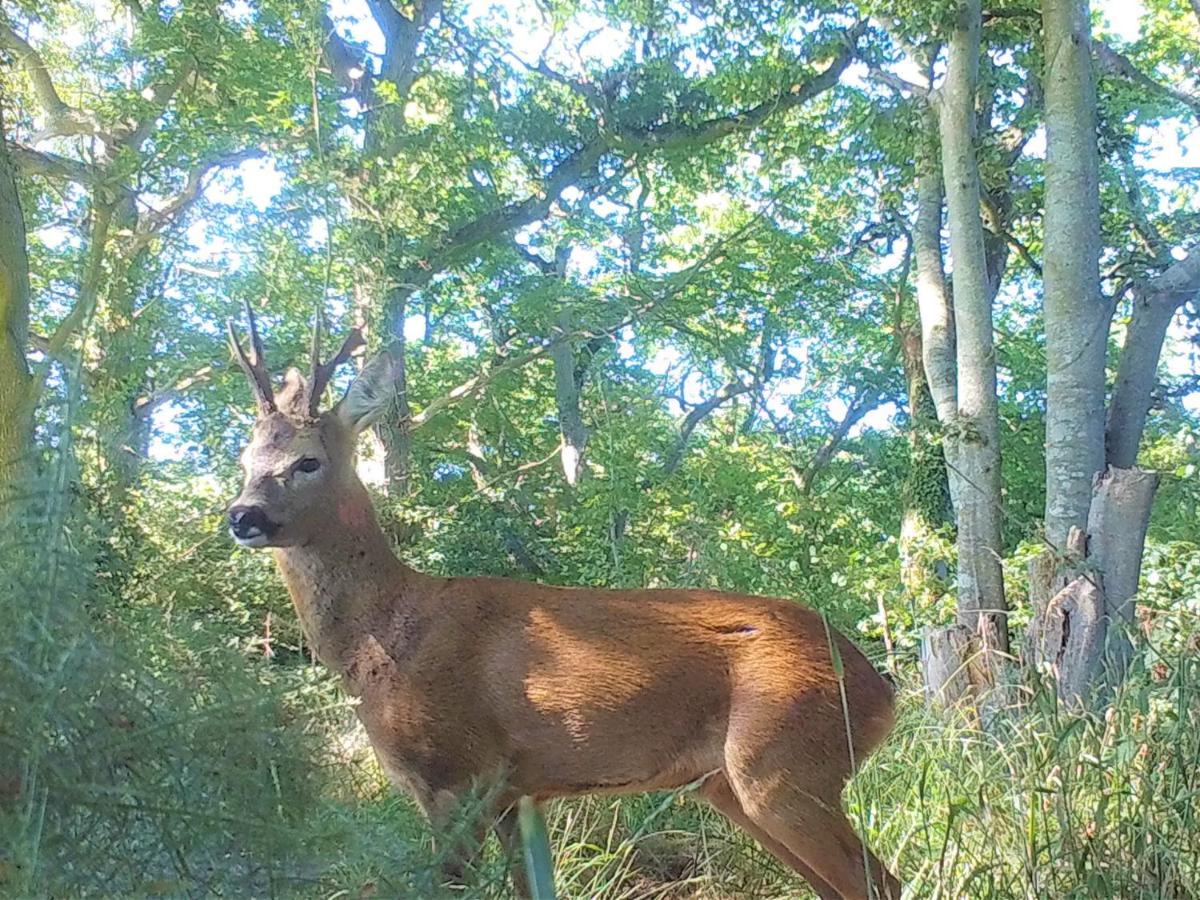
x: 438, y: 804
x: 508, y: 830
x: 459, y: 845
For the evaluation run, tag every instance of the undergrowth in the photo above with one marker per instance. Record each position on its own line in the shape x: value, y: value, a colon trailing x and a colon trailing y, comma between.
x: 146, y: 752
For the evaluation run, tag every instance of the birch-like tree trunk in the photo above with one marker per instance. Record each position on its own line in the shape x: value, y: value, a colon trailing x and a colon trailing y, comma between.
x: 981, y: 603
x: 1076, y: 317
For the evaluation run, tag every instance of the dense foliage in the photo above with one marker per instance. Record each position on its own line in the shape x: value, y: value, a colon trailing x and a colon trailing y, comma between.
x: 649, y: 270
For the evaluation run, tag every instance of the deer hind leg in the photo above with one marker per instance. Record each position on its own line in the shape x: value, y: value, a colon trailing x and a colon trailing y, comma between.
x: 813, y: 827
x: 717, y: 791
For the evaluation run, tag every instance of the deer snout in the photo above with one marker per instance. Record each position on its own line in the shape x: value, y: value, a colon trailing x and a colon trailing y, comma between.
x: 250, y: 526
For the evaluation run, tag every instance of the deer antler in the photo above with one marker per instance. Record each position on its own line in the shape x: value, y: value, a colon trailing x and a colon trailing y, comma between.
x: 322, y: 372
x: 255, y: 368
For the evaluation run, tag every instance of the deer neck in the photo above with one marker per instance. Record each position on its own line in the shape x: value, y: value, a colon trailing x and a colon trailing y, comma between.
x: 346, y: 583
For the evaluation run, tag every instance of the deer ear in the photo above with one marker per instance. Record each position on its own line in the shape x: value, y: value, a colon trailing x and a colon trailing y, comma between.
x: 370, y: 395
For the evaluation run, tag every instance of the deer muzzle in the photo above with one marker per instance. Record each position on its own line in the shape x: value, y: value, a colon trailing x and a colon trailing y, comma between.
x: 250, y: 526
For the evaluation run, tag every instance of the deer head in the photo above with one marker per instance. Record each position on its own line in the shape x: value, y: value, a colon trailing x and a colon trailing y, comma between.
x: 300, y: 460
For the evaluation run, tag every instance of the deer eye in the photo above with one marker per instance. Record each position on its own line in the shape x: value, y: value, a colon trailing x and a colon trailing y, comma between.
x: 308, y: 464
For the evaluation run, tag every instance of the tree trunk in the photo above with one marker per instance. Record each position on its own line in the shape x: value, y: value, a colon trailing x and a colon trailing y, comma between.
x: 1081, y: 635
x: 398, y: 459
x: 567, y: 379
x: 1076, y: 318
x: 981, y: 604
x: 944, y: 652
x: 1117, y: 524
x: 1136, y: 376
x: 121, y: 376
x: 571, y: 427
x: 933, y: 299
x: 1070, y: 631
x: 16, y: 408
x: 384, y: 127
x: 925, y: 493
x: 1082, y: 603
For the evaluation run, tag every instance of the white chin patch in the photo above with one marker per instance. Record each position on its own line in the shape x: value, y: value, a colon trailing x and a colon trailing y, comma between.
x: 255, y: 538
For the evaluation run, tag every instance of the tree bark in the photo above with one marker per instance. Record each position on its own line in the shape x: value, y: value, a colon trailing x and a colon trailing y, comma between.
x: 1076, y: 318
x: 944, y: 652
x: 572, y: 430
x: 937, y: 340
x: 925, y: 494
x: 16, y: 408
x: 397, y: 431
x: 1137, y: 375
x: 384, y: 125
x: 1072, y: 629
x: 1120, y: 515
x: 1082, y: 633
x: 1154, y: 306
x: 1081, y: 628
x: 568, y: 379
x: 933, y: 298
x: 981, y: 603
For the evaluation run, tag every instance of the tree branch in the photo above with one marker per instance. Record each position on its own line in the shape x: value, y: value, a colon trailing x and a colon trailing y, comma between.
x: 698, y: 414
x: 673, y: 285
x: 1154, y: 306
x: 347, y: 62
x: 545, y: 266
x: 62, y: 119
x: 156, y: 221
x: 1146, y: 229
x: 1179, y: 281
x: 896, y: 83
x: 52, y: 165
x: 159, y: 97
x: 85, y: 302
x: 1023, y: 251
x: 673, y: 135
x: 89, y: 285
x: 145, y: 406
x: 869, y: 395
x: 388, y: 18
x: 1114, y: 63
x: 581, y: 168
x: 401, y: 36
x: 864, y: 401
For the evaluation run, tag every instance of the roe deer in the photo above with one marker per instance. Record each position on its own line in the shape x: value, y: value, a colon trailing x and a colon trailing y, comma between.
x: 555, y: 692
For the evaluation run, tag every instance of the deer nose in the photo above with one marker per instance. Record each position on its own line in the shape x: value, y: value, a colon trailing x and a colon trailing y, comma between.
x: 249, y: 522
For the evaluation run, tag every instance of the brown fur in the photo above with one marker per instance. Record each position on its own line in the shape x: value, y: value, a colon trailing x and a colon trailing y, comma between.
x: 556, y: 692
